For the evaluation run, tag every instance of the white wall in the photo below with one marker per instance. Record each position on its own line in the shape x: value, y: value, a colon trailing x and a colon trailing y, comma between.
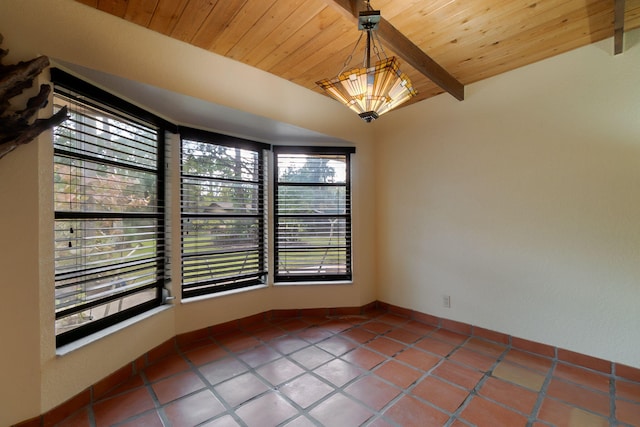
x: 522, y: 203
x: 32, y: 378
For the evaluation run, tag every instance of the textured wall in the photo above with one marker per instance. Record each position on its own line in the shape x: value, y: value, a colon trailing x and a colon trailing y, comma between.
x: 522, y: 203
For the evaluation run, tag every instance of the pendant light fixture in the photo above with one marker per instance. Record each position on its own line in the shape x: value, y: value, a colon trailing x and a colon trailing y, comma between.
x: 370, y: 90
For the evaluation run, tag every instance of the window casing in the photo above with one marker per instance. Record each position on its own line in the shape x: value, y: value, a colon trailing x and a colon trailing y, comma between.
x: 312, y: 207
x: 109, y: 210
x: 223, y: 212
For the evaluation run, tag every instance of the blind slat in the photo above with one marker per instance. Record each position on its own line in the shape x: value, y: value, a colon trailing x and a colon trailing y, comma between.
x: 222, y: 209
x: 109, y: 218
x: 313, y: 215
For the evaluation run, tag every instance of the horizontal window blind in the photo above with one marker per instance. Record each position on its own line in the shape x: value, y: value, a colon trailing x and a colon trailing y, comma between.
x: 223, y: 213
x: 312, y: 214
x: 109, y: 216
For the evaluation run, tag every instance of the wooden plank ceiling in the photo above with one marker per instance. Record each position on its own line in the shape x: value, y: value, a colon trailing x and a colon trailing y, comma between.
x: 307, y: 40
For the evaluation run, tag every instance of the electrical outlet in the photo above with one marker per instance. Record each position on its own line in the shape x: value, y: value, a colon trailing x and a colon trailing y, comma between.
x: 446, y: 301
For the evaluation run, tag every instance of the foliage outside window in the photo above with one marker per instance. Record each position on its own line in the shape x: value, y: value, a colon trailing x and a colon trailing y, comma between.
x: 109, y: 216
x: 223, y: 213
x: 312, y: 214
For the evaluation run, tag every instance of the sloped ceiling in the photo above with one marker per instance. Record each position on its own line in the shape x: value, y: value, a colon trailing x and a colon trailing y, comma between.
x: 307, y: 40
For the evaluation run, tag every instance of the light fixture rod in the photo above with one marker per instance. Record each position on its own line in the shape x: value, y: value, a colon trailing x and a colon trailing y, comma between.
x: 367, y: 51
x: 368, y: 21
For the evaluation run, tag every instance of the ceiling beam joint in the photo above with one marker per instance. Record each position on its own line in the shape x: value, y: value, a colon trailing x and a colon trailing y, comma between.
x: 618, y: 27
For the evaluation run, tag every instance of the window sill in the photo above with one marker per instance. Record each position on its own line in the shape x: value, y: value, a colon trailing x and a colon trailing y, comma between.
x: 223, y: 294
x: 310, y: 283
x: 82, y: 342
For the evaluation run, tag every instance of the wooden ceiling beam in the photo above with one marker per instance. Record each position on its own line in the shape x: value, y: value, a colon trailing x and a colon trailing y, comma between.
x: 405, y: 48
x: 618, y: 27
x: 419, y: 60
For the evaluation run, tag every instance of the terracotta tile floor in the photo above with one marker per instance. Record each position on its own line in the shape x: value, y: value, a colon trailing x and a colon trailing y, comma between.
x: 375, y: 370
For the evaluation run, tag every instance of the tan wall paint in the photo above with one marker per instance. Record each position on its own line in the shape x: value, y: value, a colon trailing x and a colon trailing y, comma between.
x: 33, y: 378
x: 522, y: 203
x: 19, y: 308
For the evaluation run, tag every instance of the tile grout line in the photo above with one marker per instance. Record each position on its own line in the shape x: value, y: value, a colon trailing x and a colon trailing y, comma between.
x: 404, y: 391
x: 612, y: 395
x: 376, y: 414
x: 474, y: 392
x: 158, y: 407
x: 90, y: 414
x: 379, y: 414
x: 407, y: 391
x: 210, y: 387
x: 542, y: 394
x: 306, y: 371
x: 276, y: 387
x: 453, y: 417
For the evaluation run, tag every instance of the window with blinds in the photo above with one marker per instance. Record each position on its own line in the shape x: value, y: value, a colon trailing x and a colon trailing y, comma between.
x: 312, y: 214
x: 222, y: 213
x: 109, y: 213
